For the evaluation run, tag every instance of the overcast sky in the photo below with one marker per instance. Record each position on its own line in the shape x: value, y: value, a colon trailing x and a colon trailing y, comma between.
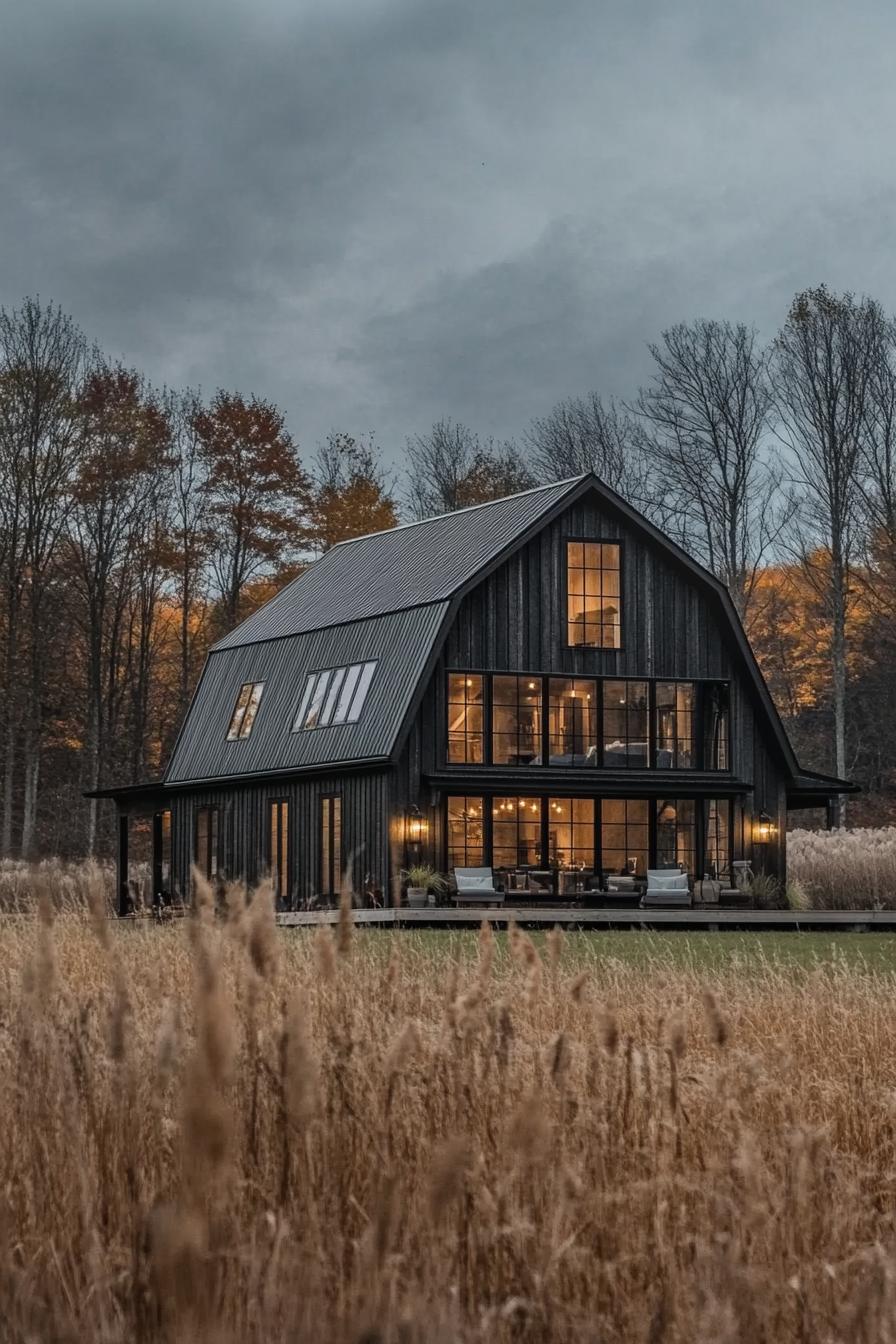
x: 379, y: 212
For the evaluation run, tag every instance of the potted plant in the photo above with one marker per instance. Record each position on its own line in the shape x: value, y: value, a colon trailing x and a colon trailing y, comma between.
x: 422, y: 879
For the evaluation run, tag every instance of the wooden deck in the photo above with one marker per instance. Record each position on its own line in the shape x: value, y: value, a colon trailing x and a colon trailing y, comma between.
x: 468, y: 917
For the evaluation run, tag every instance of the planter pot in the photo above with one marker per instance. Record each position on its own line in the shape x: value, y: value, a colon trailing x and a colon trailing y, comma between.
x: 417, y: 898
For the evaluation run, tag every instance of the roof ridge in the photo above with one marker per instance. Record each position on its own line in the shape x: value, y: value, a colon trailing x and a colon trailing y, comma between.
x: 468, y: 508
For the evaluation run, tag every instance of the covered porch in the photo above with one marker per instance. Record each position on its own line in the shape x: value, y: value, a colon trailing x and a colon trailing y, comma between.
x: 143, y: 846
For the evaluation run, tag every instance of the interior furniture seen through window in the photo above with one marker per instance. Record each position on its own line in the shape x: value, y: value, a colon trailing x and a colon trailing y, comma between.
x: 516, y: 832
x: 207, y: 841
x: 278, y: 847
x: 466, y: 729
x: 466, y: 839
x: 593, y: 595
x: 244, y: 710
x: 331, y: 844
x: 333, y: 695
x: 516, y: 720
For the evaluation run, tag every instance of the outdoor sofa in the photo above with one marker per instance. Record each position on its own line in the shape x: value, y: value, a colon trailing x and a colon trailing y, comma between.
x: 476, y: 886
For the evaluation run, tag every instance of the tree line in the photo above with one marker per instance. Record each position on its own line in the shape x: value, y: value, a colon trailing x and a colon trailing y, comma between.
x: 138, y: 524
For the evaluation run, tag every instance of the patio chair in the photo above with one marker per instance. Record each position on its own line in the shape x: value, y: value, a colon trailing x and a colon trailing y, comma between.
x: 476, y: 886
x: 667, y: 887
x: 622, y: 889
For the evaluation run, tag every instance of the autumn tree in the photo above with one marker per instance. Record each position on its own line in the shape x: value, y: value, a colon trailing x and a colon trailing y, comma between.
x: 42, y: 354
x: 706, y: 416
x: 258, y: 495
x: 189, y: 535
x: 824, y: 364
x: 351, y: 493
x: 451, y: 468
x: 113, y: 535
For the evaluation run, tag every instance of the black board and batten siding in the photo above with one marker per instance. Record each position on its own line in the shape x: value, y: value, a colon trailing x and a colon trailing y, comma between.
x: 672, y: 627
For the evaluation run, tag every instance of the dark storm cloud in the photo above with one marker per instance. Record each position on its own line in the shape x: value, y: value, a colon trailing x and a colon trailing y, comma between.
x: 377, y: 212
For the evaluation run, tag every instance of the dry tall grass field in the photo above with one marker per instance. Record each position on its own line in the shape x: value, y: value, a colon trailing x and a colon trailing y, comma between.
x: 845, y: 870
x: 218, y: 1132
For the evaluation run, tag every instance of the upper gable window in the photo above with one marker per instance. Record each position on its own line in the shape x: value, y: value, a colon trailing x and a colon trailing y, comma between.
x: 593, y: 601
x: 335, y: 695
x: 245, y: 709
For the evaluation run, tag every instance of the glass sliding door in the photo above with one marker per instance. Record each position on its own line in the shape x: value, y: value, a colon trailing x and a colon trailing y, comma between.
x: 625, y: 835
x: 466, y: 832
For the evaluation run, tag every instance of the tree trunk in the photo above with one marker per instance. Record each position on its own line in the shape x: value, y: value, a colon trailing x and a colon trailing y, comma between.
x: 838, y: 660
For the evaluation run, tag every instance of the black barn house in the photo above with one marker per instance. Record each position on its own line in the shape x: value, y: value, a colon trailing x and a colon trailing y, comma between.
x: 542, y: 680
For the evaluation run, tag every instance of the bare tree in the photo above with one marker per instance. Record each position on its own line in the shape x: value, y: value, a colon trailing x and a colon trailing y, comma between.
x: 824, y: 367
x: 451, y: 468
x: 42, y: 354
x: 706, y: 414
x: 581, y: 434
x: 189, y: 522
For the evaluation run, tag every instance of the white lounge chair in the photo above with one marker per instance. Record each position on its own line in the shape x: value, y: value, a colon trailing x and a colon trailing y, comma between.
x: 476, y: 886
x: 667, y: 887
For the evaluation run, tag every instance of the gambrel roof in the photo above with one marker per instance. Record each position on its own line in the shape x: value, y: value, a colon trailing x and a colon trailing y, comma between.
x: 389, y: 597
x: 407, y: 566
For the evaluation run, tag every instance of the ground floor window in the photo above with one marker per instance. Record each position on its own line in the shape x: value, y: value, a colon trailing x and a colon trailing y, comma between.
x: 207, y: 849
x: 516, y: 832
x: 278, y: 847
x: 571, y: 832
x: 675, y: 831
x: 625, y: 835
x: 330, y: 844
x: 718, y: 837
x: 466, y: 842
x: 615, y: 835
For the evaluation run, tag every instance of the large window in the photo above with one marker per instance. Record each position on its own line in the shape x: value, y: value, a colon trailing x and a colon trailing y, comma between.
x: 572, y: 722
x: 244, y: 711
x: 466, y: 731
x: 278, y: 847
x: 716, y: 722
x: 718, y: 837
x: 674, y: 725
x: 206, y: 855
x: 593, y: 601
x: 571, y: 832
x: 675, y: 833
x: 625, y: 835
x: 331, y: 844
x: 466, y: 838
x: 516, y: 832
x: 335, y: 695
x: 516, y: 720
x: 626, y: 724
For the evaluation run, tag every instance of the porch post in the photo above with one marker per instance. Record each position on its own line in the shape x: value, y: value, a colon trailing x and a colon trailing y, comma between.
x: 156, y: 894
x: 124, y: 899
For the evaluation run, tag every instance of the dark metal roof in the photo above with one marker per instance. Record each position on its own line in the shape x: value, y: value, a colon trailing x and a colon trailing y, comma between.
x: 400, y: 643
x: 810, y: 788
x: 407, y: 566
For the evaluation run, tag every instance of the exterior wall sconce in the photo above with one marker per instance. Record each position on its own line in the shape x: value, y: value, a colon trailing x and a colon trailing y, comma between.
x: 765, y: 829
x: 416, y: 825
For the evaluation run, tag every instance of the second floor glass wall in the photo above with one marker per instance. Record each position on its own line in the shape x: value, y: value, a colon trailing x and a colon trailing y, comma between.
x: 586, y: 722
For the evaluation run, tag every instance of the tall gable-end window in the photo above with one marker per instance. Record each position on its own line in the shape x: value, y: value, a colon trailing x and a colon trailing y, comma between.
x: 206, y: 855
x: 466, y: 732
x: 593, y: 594
x: 244, y: 711
x: 334, y: 695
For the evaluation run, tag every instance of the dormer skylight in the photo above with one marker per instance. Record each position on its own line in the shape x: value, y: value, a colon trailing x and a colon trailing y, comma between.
x: 334, y: 695
x: 244, y: 710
